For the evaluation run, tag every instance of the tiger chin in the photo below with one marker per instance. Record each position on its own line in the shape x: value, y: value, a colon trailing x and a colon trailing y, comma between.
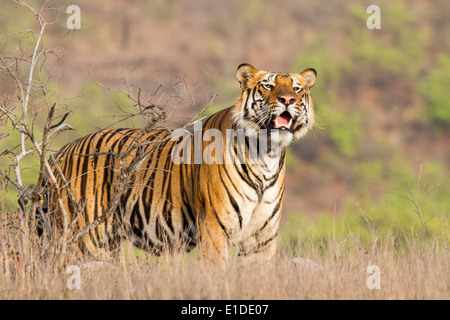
x: 177, y: 206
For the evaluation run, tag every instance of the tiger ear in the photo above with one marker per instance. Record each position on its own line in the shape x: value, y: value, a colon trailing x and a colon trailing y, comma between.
x: 310, y: 76
x: 244, y: 73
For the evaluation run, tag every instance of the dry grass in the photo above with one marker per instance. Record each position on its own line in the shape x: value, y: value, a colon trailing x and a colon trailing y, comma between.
x: 412, y: 270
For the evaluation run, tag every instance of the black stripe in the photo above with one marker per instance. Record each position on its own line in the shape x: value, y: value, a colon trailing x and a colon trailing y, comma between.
x: 167, y: 191
x: 249, y: 92
x: 160, y: 232
x: 190, y: 213
x: 113, y: 134
x: 215, y: 214
x: 274, y: 212
x: 73, y: 174
x: 146, y: 192
x: 257, y: 186
x: 248, y: 182
x: 84, y: 167
x: 278, y: 195
x: 232, y: 200
x: 67, y: 163
x: 97, y: 147
x: 151, y: 180
x: 97, y: 234
x: 185, y: 199
x: 204, y: 125
x: 258, y: 248
x: 108, y: 173
x: 246, y: 178
x: 90, y: 234
x: 225, y: 169
x: 274, y: 180
x: 221, y: 119
x: 137, y: 230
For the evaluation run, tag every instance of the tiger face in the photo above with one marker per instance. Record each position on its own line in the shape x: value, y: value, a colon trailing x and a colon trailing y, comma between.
x: 276, y: 102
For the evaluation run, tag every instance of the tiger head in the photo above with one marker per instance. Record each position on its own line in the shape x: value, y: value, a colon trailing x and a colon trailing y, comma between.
x: 277, y: 102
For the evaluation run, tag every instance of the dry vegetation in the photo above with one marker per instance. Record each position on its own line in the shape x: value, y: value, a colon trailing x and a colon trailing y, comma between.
x: 417, y: 270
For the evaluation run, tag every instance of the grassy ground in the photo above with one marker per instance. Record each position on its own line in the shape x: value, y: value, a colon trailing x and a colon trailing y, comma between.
x: 414, y: 269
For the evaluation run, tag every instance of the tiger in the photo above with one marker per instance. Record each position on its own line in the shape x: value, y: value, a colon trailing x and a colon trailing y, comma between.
x: 180, y: 205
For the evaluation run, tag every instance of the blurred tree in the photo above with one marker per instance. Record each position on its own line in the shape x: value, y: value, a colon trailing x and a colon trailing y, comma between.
x: 435, y: 88
x: 398, y: 47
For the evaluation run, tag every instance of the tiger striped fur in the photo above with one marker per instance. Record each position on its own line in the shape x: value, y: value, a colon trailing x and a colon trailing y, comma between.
x: 177, y: 206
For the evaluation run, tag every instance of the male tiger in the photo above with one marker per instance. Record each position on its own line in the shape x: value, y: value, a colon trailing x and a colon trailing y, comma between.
x: 177, y: 205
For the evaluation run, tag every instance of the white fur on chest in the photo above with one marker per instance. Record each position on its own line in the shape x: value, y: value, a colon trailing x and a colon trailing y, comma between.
x: 256, y: 215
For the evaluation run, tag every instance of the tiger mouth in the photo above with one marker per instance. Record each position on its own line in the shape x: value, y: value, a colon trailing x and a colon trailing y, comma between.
x: 283, y: 122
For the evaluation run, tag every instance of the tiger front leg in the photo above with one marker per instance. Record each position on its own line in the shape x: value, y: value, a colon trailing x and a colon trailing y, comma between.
x: 213, y: 240
x: 259, y: 249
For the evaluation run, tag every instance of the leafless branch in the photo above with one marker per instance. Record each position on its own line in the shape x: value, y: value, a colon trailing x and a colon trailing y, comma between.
x: 20, y: 115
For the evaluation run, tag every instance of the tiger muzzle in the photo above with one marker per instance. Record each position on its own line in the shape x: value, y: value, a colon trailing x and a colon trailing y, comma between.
x: 283, y: 122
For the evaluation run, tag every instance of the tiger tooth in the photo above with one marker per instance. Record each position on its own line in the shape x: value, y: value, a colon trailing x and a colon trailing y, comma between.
x: 276, y: 123
x: 290, y: 122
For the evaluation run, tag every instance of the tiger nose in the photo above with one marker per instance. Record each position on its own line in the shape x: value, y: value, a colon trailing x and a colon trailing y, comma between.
x: 286, y: 100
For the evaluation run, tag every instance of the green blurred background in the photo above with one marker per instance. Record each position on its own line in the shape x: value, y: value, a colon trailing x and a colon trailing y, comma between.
x: 380, y: 152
